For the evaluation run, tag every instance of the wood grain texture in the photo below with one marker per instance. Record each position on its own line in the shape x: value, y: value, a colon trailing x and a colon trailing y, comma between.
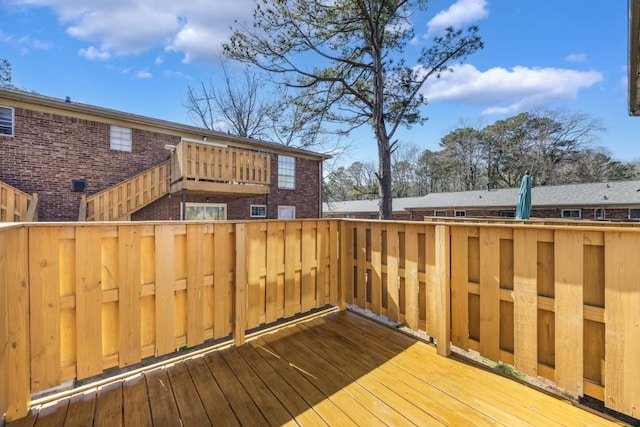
x: 525, y: 310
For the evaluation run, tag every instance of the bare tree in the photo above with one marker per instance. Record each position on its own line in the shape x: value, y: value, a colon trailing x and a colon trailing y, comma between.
x: 346, y: 59
x: 234, y: 105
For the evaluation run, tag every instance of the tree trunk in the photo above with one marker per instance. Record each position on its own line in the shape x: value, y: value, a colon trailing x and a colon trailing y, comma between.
x: 384, y: 174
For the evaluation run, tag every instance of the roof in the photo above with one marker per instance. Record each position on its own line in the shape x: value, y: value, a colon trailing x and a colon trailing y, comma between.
x: 80, y: 108
x: 602, y: 194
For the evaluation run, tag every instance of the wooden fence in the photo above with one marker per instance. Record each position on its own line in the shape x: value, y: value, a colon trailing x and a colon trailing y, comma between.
x: 17, y: 206
x: 561, y: 302
x: 555, y: 301
x: 98, y: 296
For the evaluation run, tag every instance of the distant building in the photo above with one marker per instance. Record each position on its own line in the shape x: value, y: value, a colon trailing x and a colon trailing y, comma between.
x: 95, y: 163
x: 618, y: 200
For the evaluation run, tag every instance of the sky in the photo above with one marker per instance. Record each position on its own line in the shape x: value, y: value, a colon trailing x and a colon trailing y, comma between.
x: 139, y: 56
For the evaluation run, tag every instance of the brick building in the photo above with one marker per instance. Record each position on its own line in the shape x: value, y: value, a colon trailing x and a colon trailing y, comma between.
x: 596, y: 201
x: 87, y: 162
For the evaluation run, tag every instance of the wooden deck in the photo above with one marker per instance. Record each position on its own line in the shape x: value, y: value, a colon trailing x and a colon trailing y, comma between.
x: 341, y: 369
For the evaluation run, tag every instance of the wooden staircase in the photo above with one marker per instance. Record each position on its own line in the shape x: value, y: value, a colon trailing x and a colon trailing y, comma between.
x: 16, y: 205
x: 201, y: 168
x: 121, y: 200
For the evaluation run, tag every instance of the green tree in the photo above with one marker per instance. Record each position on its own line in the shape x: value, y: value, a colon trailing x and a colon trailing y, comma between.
x: 347, y: 58
x: 464, y: 151
x: 5, y: 73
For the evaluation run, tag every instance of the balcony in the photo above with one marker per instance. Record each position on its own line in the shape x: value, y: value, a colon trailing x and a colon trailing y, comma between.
x: 207, y: 168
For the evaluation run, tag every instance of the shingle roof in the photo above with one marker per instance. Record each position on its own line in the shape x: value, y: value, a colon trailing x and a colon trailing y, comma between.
x: 78, y: 107
x: 618, y: 193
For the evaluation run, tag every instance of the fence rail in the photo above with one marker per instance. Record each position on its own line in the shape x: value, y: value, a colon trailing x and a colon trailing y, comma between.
x: 555, y: 301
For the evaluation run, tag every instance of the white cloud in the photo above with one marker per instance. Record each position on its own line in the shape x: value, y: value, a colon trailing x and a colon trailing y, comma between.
x: 143, y: 75
x: 195, y: 29
x: 460, y: 13
x: 94, y: 54
x: 508, y: 91
x: 576, y: 57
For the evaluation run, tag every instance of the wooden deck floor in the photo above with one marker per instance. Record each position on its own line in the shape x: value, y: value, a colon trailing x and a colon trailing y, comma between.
x: 337, y: 370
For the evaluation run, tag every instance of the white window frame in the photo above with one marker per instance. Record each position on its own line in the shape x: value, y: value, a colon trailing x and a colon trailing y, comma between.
x: 188, y: 205
x: 286, y: 172
x: 439, y: 213
x: 460, y: 213
x: 599, y: 214
x: 289, y: 208
x: 261, y: 207
x: 565, y: 214
x: 120, y: 138
x: 635, y: 214
x: 11, y: 124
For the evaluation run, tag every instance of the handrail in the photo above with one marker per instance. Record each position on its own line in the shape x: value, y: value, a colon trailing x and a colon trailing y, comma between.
x: 195, y: 161
x: 14, y: 203
x: 126, y: 197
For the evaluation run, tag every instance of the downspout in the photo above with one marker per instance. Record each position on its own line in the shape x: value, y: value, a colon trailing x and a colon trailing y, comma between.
x: 320, y: 188
x: 184, y: 204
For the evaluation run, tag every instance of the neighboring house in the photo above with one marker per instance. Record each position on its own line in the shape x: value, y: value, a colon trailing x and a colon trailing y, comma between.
x: 87, y: 162
x: 618, y: 200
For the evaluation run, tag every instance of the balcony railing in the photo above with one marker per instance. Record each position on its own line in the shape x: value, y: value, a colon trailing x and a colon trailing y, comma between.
x: 206, y: 167
x: 17, y: 206
x: 128, y: 196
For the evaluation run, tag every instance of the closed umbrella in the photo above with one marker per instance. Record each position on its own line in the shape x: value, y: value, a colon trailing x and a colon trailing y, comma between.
x: 523, y: 208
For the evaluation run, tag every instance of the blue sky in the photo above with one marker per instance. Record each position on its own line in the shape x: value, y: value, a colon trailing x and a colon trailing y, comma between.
x: 139, y: 56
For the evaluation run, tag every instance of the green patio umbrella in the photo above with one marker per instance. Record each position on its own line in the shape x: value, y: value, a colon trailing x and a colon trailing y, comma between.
x: 523, y: 208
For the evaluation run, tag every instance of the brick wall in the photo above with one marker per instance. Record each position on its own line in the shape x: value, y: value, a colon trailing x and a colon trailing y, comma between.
x: 49, y: 150
x: 305, y: 197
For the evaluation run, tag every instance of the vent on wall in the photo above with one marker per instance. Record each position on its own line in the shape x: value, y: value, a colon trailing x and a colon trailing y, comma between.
x: 79, y: 185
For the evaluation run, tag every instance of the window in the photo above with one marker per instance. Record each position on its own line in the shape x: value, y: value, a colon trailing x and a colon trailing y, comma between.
x: 258, y: 211
x: 205, y: 212
x: 6, y: 121
x: 286, y: 172
x: 634, y: 213
x: 571, y: 213
x: 598, y: 213
x: 441, y: 213
x: 286, y: 212
x: 507, y: 214
x: 120, y: 138
x: 460, y: 213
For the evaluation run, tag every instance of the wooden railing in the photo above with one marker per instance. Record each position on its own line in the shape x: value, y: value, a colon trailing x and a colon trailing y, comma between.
x: 556, y: 301
x: 17, y: 206
x: 99, y: 296
x: 200, y: 161
x: 560, y: 302
x: 126, y: 197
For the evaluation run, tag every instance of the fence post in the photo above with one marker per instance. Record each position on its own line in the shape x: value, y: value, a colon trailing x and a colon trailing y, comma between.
x: 344, y: 266
x: 15, y: 373
x: 240, y: 292
x: 442, y: 287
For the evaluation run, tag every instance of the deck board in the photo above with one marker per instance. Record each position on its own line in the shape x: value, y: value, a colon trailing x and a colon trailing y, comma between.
x: 340, y: 369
